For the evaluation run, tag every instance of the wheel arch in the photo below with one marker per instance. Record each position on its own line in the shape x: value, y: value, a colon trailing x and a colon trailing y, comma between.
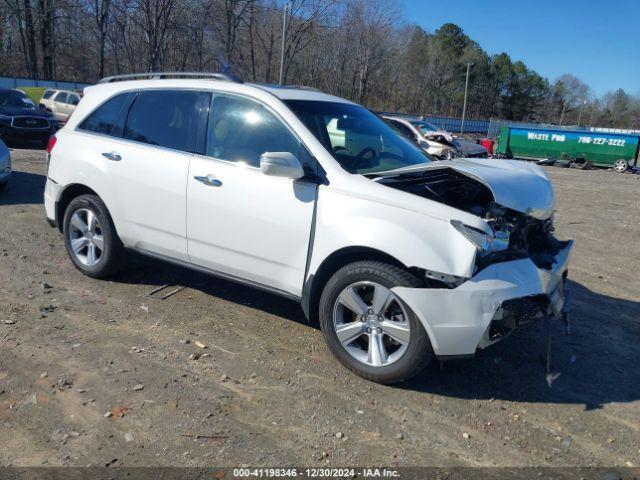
x: 70, y: 192
x: 312, y: 288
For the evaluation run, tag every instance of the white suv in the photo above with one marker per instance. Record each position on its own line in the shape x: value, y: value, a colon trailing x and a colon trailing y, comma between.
x: 61, y: 103
x: 399, y: 258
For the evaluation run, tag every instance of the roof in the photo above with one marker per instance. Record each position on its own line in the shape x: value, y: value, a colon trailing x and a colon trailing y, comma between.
x: 294, y: 92
x: 284, y: 92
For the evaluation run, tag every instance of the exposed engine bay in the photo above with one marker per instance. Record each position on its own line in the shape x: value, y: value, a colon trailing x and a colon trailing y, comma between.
x: 527, y: 237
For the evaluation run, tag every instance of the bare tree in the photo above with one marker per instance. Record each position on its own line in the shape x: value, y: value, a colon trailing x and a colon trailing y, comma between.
x: 364, y: 50
x: 153, y: 18
x: 46, y: 14
x: 101, y: 12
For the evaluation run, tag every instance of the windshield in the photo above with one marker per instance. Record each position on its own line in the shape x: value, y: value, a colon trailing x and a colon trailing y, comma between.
x: 424, y: 127
x: 14, y: 98
x: 359, y: 140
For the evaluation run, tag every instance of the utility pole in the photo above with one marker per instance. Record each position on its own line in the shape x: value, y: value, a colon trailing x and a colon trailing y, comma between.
x: 464, y: 105
x: 584, y: 102
x: 284, y: 34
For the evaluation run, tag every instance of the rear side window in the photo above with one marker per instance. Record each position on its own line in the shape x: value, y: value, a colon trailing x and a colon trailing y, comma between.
x: 73, y: 99
x: 47, y: 94
x: 164, y: 118
x: 103, y: 119
x: 240, y: 130
x: 61, y: 97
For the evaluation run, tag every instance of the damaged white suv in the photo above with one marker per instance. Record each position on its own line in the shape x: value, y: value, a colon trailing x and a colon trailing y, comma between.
x: 314, y: 198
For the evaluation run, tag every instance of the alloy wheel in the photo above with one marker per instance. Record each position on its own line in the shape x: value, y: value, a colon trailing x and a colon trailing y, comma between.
x: 85, y: 237
x: 371, y: 324
x: 620, y: 166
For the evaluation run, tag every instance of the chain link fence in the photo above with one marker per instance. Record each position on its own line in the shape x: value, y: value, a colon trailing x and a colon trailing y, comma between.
x: 491, y: 128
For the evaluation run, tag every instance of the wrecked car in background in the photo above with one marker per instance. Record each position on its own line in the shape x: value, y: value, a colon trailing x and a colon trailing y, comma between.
x: 436, y: 142
x: 315, y: 198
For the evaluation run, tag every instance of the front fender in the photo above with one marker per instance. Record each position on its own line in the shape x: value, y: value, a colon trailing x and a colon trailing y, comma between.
x: 413, y: 238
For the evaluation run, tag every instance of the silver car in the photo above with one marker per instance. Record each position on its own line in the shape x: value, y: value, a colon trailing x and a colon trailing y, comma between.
x: 436, y: 142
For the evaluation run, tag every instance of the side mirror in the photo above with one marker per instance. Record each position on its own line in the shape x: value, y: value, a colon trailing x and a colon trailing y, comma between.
x: 281, y: 164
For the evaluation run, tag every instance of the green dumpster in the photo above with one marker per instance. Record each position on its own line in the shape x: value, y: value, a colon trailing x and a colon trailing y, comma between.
x: 601, y: 149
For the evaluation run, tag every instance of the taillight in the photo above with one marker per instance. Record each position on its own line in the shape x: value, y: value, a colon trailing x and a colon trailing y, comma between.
x: 51, y: 143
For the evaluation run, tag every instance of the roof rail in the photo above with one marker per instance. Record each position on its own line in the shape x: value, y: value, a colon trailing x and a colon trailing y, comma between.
x: 291, y: 87
x: 159, y: 75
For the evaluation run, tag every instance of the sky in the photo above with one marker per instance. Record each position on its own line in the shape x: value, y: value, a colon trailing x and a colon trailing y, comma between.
x: 598, y: 41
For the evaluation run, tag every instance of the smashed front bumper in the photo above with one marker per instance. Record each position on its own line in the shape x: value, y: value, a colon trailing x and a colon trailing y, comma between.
x: 468, y: 317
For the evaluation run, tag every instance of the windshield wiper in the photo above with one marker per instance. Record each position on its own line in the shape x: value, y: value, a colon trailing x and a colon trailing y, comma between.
x: 398, y: 171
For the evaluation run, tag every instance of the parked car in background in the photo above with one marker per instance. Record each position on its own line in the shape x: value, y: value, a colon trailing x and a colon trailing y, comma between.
x: 61, y: 103
x: 5, y: 165
x: 314, y: 198
x: 438, y: 143
x: 22, y: 122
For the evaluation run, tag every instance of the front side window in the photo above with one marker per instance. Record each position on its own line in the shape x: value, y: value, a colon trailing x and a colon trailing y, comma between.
x: 359, y: 140
x: 240, y: 130
x: 103, y: 119
x: 48, y: 93
x: 166, y: 118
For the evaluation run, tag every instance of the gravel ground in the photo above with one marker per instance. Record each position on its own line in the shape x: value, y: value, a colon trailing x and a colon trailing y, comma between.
x: 94, y: 373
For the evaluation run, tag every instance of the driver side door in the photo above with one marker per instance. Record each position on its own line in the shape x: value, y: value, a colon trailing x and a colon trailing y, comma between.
x: 242, y: 223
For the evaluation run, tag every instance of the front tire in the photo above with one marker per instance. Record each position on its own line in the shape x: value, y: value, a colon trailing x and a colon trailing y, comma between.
x: 368, y: 328
x: 90, y: 237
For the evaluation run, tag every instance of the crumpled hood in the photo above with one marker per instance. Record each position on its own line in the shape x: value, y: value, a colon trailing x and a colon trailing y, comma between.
x: 439, y: 133
x: 515, y: 184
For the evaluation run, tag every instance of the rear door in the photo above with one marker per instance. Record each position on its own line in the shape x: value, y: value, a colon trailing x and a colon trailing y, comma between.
x: 72, y: 101
x: 148, y: 168
x: 58, y: 106
x: 241, y: 222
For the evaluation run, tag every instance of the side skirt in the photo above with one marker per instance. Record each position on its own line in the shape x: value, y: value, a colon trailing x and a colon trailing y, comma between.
x: 222, y: 275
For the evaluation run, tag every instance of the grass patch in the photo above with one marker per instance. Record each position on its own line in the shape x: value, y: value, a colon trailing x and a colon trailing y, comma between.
x: 35, y: 93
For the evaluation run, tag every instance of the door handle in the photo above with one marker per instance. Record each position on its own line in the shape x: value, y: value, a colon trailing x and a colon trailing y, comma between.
x: 210, y: 180
x: 112, y: 156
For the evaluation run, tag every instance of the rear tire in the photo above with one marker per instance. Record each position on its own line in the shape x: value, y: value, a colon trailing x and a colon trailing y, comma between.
x: 365, y: 345
x: 90, y: 237
x: 3, y: 185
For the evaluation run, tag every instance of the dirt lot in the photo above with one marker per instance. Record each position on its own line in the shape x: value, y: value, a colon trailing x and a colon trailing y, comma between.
x: 269, y: 392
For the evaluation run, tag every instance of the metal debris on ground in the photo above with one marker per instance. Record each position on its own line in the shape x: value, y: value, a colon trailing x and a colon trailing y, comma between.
x: 197, y: 436
x: 155, y: 293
